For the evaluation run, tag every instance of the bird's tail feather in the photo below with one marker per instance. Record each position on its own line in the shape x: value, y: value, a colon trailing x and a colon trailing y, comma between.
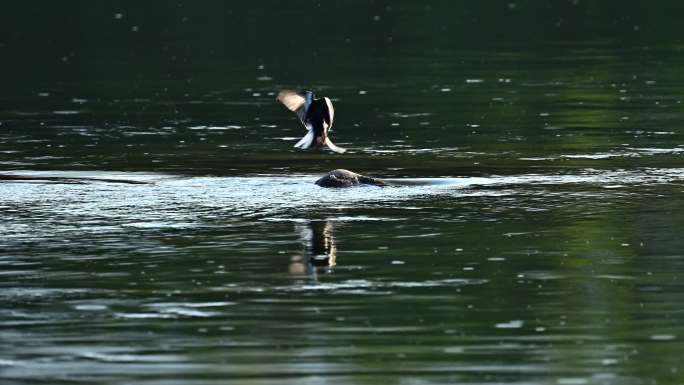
x: 333, y: 147
x: 306, y: 141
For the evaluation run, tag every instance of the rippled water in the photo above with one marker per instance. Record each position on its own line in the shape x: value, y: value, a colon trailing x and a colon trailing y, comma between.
x: 165, y: 231
x: 567, y: 277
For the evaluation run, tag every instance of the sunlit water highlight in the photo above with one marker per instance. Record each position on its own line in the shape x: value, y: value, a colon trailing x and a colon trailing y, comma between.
x: 165, y: 200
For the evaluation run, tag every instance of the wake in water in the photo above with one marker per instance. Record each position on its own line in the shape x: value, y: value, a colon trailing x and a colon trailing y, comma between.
x: 161, y: 200
x: 584, y: 176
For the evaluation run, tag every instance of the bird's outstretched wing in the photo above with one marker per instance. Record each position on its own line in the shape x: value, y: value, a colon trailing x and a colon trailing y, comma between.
x: 294, y: 102
x: 331, y: 114
x: 333, y: 147
x: 306, y: 141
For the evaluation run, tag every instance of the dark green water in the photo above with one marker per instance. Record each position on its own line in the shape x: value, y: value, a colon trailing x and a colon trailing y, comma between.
x: 550, y: 251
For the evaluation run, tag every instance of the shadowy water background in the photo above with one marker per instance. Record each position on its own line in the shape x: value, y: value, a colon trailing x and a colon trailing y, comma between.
x: 550, y: 251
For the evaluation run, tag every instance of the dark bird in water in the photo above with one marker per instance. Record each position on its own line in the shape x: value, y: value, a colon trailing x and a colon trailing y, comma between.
x: 316, y: 115
x: 345, y: 178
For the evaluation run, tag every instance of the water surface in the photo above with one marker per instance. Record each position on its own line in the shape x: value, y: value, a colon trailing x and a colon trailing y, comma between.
x: 170, y: 234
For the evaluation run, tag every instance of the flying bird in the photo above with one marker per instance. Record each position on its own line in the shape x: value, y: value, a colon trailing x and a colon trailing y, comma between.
x: 316, y: 116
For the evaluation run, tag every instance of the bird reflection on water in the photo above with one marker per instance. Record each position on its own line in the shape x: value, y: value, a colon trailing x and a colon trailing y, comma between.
x: 320, y: 252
